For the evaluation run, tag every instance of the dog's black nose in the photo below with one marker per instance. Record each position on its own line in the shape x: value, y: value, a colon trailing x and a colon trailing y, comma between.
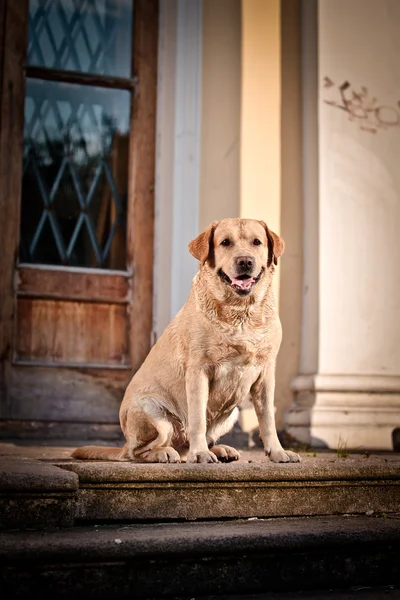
x: 245, y: 263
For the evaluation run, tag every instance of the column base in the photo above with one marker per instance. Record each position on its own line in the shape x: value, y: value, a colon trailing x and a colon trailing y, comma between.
x: 352, y: 411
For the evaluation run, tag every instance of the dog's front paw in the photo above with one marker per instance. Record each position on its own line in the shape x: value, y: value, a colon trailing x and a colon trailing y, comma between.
x: 161, y: 455
x: 283, y: 456
x: 225, y: 453
x: 205, y: 456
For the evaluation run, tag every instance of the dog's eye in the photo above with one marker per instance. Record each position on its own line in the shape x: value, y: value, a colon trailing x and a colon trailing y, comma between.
x: 225, y: 242
x: 257, y: 242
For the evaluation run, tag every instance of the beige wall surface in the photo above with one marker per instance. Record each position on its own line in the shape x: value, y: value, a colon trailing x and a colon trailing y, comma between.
x: 350, y: 395
x: 359, y: 124
x: 221, y: 104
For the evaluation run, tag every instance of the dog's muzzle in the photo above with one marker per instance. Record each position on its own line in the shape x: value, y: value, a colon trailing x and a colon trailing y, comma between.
x: 242, y: 284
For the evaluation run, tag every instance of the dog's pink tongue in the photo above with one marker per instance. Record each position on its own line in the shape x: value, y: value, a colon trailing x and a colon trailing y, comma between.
x: 243, y: 284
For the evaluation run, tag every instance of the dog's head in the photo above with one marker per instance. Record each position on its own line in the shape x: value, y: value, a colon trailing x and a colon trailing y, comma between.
x: 240, y: 252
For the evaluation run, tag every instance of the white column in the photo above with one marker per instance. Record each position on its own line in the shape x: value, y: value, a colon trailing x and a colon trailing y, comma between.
x: 187, y: 148
x: 177, y: 155
x: 348, y: 389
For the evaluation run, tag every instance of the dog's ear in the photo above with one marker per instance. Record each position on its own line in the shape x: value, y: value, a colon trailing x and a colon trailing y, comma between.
x: 276, y: 245
x: 202, y: 247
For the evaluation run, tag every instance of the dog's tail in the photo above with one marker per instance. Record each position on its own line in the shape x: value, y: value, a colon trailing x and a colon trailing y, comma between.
x: 100, y: 453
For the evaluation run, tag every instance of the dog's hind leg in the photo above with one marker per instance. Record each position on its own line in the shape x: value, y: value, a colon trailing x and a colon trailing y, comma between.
x: 160, y: 449
x: 154, y: 431
x: 223, y: 452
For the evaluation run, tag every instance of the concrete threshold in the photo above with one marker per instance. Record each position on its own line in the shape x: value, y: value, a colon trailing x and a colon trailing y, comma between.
x: 111, y: 491
x: 201, y: 559
x: 57, y: 491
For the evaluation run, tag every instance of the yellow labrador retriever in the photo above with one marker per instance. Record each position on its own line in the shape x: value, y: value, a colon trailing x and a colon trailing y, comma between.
x: 220, y: 348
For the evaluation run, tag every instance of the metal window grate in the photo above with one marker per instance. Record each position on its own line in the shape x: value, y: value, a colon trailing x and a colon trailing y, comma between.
x: 74, y: 190
x: 81, y: 35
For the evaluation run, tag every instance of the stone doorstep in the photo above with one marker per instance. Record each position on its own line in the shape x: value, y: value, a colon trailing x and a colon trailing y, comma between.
x: 112, y: 491
x: 34, y: 494
x: 26, y: 475
x: 59, y: 493
x: 134, y: 492
x: 187, y: 559
x: 191, y: 502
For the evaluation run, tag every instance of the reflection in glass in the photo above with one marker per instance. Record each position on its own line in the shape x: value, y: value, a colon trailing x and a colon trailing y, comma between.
x: 89, y: 36
x: 75, y: 175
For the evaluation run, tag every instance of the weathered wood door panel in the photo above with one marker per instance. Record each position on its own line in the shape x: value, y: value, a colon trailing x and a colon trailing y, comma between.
x: 78, y: 198
x: 79, y: 395
x: 57, y: 333
x: 66, y: 317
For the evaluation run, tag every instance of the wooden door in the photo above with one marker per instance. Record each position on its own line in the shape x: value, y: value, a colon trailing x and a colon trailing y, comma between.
x: 77, y: 142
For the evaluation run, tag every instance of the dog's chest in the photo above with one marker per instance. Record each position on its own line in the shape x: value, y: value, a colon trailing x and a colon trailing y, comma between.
x: 230, y: 384
x: 236, y: 367
x: 237, y: 349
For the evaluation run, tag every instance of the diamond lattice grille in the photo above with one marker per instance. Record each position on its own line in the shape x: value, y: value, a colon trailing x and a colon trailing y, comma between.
x: 75, y: 175
x: 91, y: 36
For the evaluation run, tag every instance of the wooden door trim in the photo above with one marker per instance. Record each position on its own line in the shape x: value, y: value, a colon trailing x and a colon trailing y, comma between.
x: 79, y: 366
x: 73, y: 432
x: 108, y: 287
x: 141, y: 190
x: 107, y: 81
x: 14, y: 33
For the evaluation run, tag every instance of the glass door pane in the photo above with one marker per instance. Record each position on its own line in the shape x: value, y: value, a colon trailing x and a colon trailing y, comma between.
x: 87, y: 36
x: 75, y: 175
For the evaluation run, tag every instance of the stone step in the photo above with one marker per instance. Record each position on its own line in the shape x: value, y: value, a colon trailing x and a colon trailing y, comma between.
x: 59, y: 493
x: 201, y: 559
x: 111, y: 491
x: 35, y: 494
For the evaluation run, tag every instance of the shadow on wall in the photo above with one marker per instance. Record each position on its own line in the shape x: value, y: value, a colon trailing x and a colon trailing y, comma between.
x: 290, y: 295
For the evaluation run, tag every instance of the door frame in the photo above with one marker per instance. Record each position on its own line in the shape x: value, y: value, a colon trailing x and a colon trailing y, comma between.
x: 140, y: 229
